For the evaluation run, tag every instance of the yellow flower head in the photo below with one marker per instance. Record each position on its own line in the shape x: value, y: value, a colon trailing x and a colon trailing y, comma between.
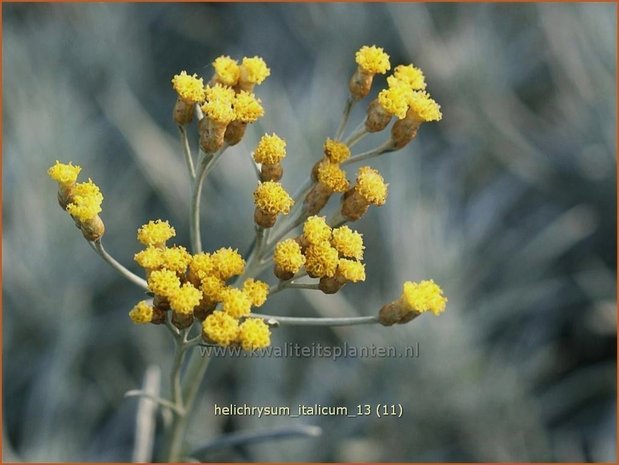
x: 235, y: 302
x: 394, y: 99
x: 86, y: 200
x: 218, y: 105
x: 202, y: 265
x: 351, y: 270
x: 288, y: 257
x: 257, y: 291
x: 321, y: 260
x: 372, y: 60
x: 247, y: 108
x: 220, y: 328
x: 227, y: 262
x: 163, y: 283
x: 190, y: 89
x: 156, y: 233
x: 141, y: 313
x: 151, y: 258
x: 271, y: 198
x: 425, y: 296
x: 65, y: 174
x: 219, y: 92
x: 423, y: 107
x: 316, y: 229
x: 254, y: 70
x: 176, y: 258
x: 185, y: 298
x: 254, y: 334
x: 227, y: 70
x: 212, y: 287
x: 332, y: 176
x: 371, y: 186
x: 348, y: 243
x: 411, y: 76
x: 271, y: 149
x: 336, y: 151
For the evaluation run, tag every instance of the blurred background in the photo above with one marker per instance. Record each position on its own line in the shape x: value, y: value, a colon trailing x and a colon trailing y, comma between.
x: 509, y: 203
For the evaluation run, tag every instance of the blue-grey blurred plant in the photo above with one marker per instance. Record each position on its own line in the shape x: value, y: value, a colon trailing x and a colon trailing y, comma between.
x: 509, y: 202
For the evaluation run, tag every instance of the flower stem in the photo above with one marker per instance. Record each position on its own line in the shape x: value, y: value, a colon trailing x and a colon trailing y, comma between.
x: 187, y: 151
x: 135, y: 279
x: 357, y: 136
x: 318, y: 321
x: 345, y: 116
x: 207, y: 162
x: 380, y: 150
x: 195, y: 373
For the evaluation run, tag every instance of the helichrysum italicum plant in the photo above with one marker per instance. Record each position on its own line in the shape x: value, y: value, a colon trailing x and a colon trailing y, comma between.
x: 209, y: 296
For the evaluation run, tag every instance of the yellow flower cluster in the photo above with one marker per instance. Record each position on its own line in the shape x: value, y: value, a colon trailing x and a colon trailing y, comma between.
x: 251, y: 71
x: 411, y: 76
x: 348, y: 243
x: 156, y: 233
x: 218, y: 106
x: 372, y: 60
x: 288, y: 258
x: 224, y: 330
x: 142, y: 313
x: 227, y: 102
x: 423, y: 108
x: 227, y: 70
x: 192, y: 286
x: 351, y: 270
x: 254, y: 70
x: 271, y: 198
x: 81, y: 200
x: 247, y: 108
x: 190, y: 89
x: 325, y: 252
x: 271, y: 149
x: 425, y: 296
x: 336, y: 151
x: 257, y: 291
x: 332, y: 176
x: 371, y: 186
x: 85, y: 202
x: 64, y: 174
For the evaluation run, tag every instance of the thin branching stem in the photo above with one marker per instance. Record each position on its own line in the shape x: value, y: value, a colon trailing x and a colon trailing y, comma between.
x: 356, y: 136
x: 375, y: 152
x: 135, y: 279
x: 146, y: 417
x: 187, y: 151
x: 163, y: 402
x: 345, y: 115
x: 207, y: 162
x: 337, y: 220
x: 252, y: 437
x: 317, y: 321
x: 291, y: 285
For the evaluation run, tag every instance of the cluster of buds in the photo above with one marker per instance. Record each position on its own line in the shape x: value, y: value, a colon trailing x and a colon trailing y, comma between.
x: 269, y: 153
x: 196, y: 288
x: 404, y: 97
x: 227, y: 102
x: 333, y: 255
x: 82, y: 200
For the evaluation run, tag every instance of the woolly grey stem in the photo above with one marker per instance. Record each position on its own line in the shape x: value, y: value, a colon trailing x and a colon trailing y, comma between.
x: 187, y: 151
x: 135, y: 279
x: 317, y: 321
